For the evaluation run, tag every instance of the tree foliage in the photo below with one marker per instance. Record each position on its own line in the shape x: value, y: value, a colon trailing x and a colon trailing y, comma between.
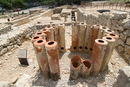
x: 49, y: 2
x: 18, y: 3
x: 5, y: 4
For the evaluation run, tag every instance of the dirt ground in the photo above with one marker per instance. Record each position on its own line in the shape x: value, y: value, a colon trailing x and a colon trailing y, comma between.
x: 10, y: 68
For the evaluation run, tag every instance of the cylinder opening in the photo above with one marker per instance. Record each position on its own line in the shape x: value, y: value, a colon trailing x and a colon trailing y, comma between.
x: 75, y: 64
x: 62, y: 48
x: 48, y: 26
x: 101, y: 41
x: 87, y: 64
x: 53, y: 24
x: 61, y: 24
x: 97, y: 25
x: 82, y: 23
x: 86, y: 48
x: 91, y: 49
x: 39, y: 33
x: 112, y: 34
x: 39, y: 41
x: 74, y: 47
x: 109, y: 38
x: 50, y: 43
x: 80, y: 47
x: 36, y: 37
x: 104, y: 27
x: 109, y: 30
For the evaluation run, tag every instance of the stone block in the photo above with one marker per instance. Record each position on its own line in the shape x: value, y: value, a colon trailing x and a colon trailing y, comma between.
x: 126, y: 56
x: 120, y: 15
x: 121, y: 49
x: 128, y: 41
x: 127, y: 49
x: 121, y: 29
x: 120, y: 42
x: 55, y: 17
x: 127, y: 25
x: 123, y: 37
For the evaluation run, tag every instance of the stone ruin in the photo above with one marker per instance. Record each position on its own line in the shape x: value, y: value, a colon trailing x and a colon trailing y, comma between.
x: 96, y: 34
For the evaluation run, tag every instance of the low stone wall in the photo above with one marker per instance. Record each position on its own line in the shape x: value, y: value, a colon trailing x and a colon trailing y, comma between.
x: 4, y: 16
x: 48, y: 13
x: 5, y: 29
x: 117, y: 21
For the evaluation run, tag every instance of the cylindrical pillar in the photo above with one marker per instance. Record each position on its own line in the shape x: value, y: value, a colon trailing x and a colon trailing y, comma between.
x: 62, y: 47
x: 81, y: 36
x: 43, y: 35
x: 115, y: 36
x: 97, y: 55
x: 75, y: 67
x: 51, y: 33
x: 56, y: 34
x: 88, y: 38
x: 74, y: 37
x: 35, y: 38
x: 42, y: 56
x: 46, y: 31
x: 86, y: 68
x: 108, y: 51
x: 53, y: 59
x: 101, y: 33
x: 94, y: 34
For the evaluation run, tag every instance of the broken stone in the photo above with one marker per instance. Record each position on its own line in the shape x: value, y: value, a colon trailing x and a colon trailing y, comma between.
x: 1, y: 62
x: 10, y: 47
x: 128, y: 41
x: 121, y: 29
x: 3, y: 51
x: 123, y: 37
x: 120, y: 15
x: 6, y: 84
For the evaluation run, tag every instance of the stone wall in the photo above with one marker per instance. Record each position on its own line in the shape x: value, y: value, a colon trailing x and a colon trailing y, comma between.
x: 117, y: 21
x: 5, y: 29
x: 48, y: 13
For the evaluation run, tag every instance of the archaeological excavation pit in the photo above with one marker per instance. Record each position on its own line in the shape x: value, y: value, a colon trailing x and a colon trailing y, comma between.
x: 95, y: 40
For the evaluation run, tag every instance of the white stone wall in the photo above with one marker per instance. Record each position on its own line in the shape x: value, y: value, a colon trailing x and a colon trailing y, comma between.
x: 116, y: 21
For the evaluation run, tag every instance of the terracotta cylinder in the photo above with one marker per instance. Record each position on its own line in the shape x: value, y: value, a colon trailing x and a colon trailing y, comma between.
x: 35, y: 38
x: 74, y: 37
x: 108, y: 51
x: 94, y: 34
x: 109, y: 31
x: 88, y: 38
x: 46, y: 31
x: 51, y: 33
x: 97, y: 55
x: 42, y: 57
x: 43, y: 35
x: 75, y: 67
x: 62, y: 47
x: 53, y: 59
x: 101, y: 33
x: 81, y: 36
x: 56, y: 34
x: 86, y: 68
x: 115, y: 36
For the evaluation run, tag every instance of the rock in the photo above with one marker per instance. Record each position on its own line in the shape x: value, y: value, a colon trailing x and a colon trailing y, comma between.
x: 127, y: 25
x: 121, y: 29
x: 123, y: 37
x: 127, y: 85
x: 1, y: 47
x: 22, y: 80
x: 3, y: 51
x: 126, y: 56
x: 121, y: 49
x: 127, y: 32
x: 10, y: 47
x: 123, y: 77
x: 120, y: 15
x: 127, y: 49
x: 120, y: 42
x: 6, y: 84
x: 128, y: 41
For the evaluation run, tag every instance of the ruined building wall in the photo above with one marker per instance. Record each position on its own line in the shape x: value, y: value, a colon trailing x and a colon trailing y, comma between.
x: 117, y: 21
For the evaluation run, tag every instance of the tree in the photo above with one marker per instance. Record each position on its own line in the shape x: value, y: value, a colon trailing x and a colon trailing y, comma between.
x: 5, y: 4
x: 18, y: 4
x: 49, y: 2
